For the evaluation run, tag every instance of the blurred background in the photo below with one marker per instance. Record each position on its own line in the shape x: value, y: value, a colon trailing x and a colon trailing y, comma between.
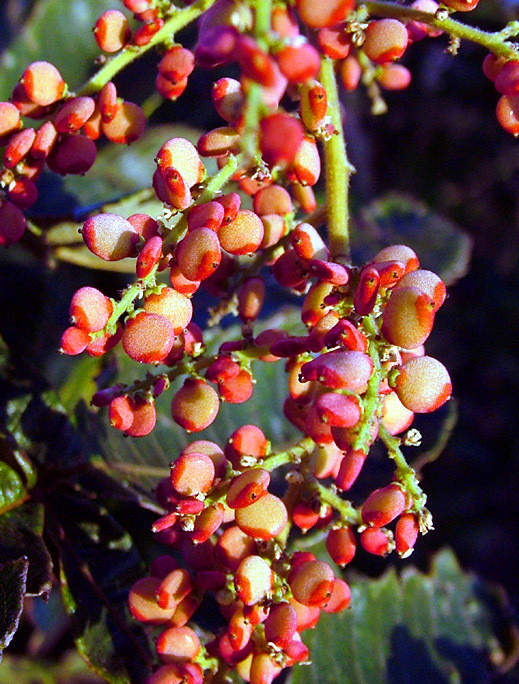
x: 440, y: 144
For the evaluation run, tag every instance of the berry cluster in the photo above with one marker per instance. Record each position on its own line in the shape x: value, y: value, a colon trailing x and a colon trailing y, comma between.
x: 356, y: 374
x: 64, y: 142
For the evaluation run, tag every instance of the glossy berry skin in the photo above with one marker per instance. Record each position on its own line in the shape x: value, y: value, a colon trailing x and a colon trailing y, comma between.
x: 247, y: 488
x: 320, y: 15
x: 127, y: 124
x: 375, y: 541
x: 383, y: 505
x: 178, y: 645
x: 341, y: 545
x: 406, y: 534
x: 143, y: 603
x: 507, y: 113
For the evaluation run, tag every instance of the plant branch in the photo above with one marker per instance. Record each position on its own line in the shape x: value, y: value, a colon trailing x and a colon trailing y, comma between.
x: 180, y: 19
x: 338, y: 169
x: 494, y: 42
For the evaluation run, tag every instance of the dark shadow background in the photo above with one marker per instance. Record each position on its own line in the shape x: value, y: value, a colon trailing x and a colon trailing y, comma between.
x: 439, y: 142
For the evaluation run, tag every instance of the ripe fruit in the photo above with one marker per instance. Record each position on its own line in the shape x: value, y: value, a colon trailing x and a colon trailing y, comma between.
x: 386, y: 40
x: 243, y: 235
x: 195, y: 405
x: 263, y: 519
x: 9, y: 118
x: 43, y: 83
x: 383, y: 505
x: 143, y: 603
x: 127, y: 124
x: 90, y: 309
x: 253, y: 580
x: 173, y: 305
x: 423, y: 384
x: 408, y: 317
x: 320, y: 15
x: 312, y: 582
x: 199, y: 254
x: 192, y: 473
x: 112, y: 31
x: 148, y: 337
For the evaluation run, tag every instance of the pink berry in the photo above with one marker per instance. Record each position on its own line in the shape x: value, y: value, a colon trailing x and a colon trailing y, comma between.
x: 90, y: 309
x: 110, y: 237
x: 112, y: 31
x: 148, y: 337
x: 43, y: 83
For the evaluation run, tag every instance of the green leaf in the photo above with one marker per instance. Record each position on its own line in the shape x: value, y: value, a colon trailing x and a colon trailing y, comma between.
x: 21, y: 535
x: 60, y: 32
x: 145, y: 460
x: 13, y: 579
x: 397, y: 219
x: 441, y: 628
x: 98, y: 564
x: 12, y: 491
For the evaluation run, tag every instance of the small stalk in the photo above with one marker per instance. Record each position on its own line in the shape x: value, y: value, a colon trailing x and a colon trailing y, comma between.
x: 338, y: 169
x: 175, y: 23
x: 494, y: 42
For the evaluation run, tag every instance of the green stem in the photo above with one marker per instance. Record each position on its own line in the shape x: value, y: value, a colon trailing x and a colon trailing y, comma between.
x: 133, y: 291
x: 494, y: 42
x: 404, y: 474
x: 371, y: 405
x: 347, y: 512
x: 178, y: 21
x: 221, y: 179
x: 338, y: 169
x: 292, y: 455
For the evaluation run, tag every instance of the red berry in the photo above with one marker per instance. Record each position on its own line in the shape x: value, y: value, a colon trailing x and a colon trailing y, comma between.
x: 9, y: 118
x: 112, y: 31
x: 341, y: 545
x: 110, y: 237
x: 195, y: 405
x: 324, y: 14
x: 423, y: 384
x: 90, y: 309
x: 148, y: 337
x: 406, y: 534
x: 312, y: 582
x: 383, y: 505
x: 280, y: 138
x: 386, y: 40
x: 263, y: 519
x: 192, y: 473
x: 127, y: 124
x: 12, y: 224
x: 43, y: 83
